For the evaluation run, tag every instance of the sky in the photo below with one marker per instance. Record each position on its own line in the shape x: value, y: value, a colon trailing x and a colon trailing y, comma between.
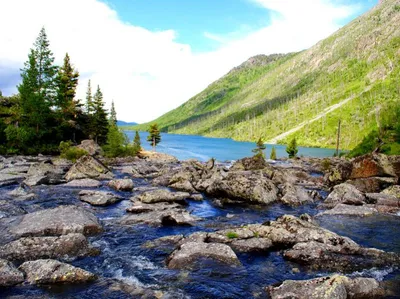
x: 150, y: 56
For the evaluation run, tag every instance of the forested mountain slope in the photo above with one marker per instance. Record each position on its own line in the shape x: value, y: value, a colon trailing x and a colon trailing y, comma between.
x: 354, y: 76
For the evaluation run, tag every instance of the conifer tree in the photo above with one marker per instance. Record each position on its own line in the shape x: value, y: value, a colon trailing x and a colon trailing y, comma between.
x: 89, y: 99
x: 259, y: 150
x: 273, y: 153
x: 113, y: 114
x: 154, y: 136
x: 292, y: 149
x: 137, y: 146
x: 99, y: 118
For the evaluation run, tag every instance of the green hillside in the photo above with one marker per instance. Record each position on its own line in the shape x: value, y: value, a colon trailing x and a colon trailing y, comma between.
x: 354, y: 76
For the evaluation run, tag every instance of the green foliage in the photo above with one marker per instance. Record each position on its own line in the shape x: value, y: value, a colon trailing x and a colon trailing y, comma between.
x: 99, y: 123
x: 117, y: 143
x: 292, y: 149
x: 259, y: 150
x: 113, y: 114
x: 154, y: 137
x: 273, y: 153
x: 72, y: 153
x: 137, y: 143
x: 232, y: 235
x: 326, y: 164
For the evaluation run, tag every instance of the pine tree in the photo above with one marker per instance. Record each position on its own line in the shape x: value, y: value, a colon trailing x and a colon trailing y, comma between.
x: 154, y: 136
x: 89, y: 99
x: 259, y: 150
x: 273, y: 153
x: 137, y: 146
x: 117, y: 142
x: 113, y: 114
x: 99, y: 118
x: 292, y: 149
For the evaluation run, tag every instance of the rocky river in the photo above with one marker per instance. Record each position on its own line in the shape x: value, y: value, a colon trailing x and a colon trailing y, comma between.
x: 156, y: 227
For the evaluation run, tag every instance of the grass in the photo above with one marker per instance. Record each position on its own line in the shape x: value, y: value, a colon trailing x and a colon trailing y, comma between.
x: 232, y: 235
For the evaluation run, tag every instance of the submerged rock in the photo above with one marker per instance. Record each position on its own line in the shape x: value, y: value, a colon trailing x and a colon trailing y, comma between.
x: 121, y: 184
x: 58, y: 221
x: 189, y: 254
x: 161, y: 195
x: 332, y: 287
x: 99, y: 198
x: 47, y: 271
x: 88, y: 167
x: 33, y: 248
x: 9, y: 275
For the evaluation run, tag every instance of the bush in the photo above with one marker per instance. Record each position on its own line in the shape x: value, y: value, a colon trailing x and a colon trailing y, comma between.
x: 326, y: 164
x: 292, y: 149
x: 232, y: 235
x: 273, y: 153
x: 72, y: 153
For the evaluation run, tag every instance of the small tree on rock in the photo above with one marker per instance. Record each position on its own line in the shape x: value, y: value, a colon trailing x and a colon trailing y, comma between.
x: 154, y: 136
x: 259, y: 150
x: 273, y: 153
x: 136, y: 143
x: 292, y: 149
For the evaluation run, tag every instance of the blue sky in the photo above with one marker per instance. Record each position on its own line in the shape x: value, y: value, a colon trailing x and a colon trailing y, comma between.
x: 150, y: 56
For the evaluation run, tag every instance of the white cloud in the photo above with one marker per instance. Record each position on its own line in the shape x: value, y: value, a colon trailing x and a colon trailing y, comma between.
x: 148, y: 73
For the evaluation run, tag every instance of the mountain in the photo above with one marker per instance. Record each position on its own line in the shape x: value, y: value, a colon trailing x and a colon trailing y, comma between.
x: 352, y: 76
x: 121, y: 123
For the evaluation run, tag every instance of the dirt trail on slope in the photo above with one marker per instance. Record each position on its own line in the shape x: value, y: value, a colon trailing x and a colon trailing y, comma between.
x: 301, y: 125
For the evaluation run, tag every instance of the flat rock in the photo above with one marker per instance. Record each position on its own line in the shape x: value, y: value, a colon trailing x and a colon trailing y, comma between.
x: 372, y: 184
x: 48, y: 271
x: 88, y: 167
x: 21, y: 194
x: 9, y: 275
x: 121, y: 184
x: 84, y: 183
x: 393, y: 190
x: 332, y: 287
x: 251, y: 245
x: 161, y: 195
x: 350, y: 210
x: 58, y: 221
x: 33, y: 248
x: 345, y: 194
x: 10, y: 179
x: 157, y: 157
x: 99, y: 198
x: 190, y: 253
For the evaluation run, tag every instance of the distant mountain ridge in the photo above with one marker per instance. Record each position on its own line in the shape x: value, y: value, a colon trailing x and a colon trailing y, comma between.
x: 352, y: 76
x: 122, y: 123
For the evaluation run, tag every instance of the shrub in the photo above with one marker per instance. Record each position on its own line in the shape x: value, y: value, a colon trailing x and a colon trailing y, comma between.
x: 273, y: 153
x: 292, y: 149
x: 72, y: 153
x: 326, y: 164
x: 232, y: 235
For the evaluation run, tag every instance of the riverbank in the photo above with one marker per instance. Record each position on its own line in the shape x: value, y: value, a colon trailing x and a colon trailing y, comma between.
x: 156, y: 227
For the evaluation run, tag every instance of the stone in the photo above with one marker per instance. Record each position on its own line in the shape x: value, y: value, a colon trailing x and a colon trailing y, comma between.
x: 249, y: 163
x: 251, y: 245
x: 393, y: 190
x: 345, y: 194
x: 157, y: 157
x: 350, y: 210
x: 58, y: 221
x: 44, y: 173
x: 121, y: 184
x: 91, y: 147
x: 372, y: 165
x: 88, y: 167
x: 9, y: 275
x: 383, y: 199
x: 48, y: 271
x: 372, y: 184
x: 15, y: 170
x: 99, y: 198
x: 83, y: 183
x: 10, y: 179
x: 191, y: 252
x: 340, y: 173
x: 161, y: 195
x: 21, y: 194
x: 32, y: 248
x: 295, y: 195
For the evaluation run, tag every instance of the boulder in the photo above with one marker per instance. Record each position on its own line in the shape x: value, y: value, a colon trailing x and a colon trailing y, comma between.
x: 15, y: 170
x: 91, y: 147
x: 372, y: 184
x: 295, y: 195
x: 44, y: 173
x: 340, y: 173
x: 88, y: 167
x: 350, y: 210
x: 9, y: 275
x: 393, y: 190
x: 372, y: 165
x: 250, y: 163
x: 346, y: 194
x: 333, y: 287
x: 10, y: 179
x: 251, y: 245
x: 188, y: 254
x: 21, y: 194
x: 252, y: 187
x: 157, y: 157
x: 121, y: 184
x: 161, y: 195
x: 33, y: 248
x: 382, y: 199
x: 47, y: 271
x: 99, y: 198
x: 58, y: 221
x: 84, y: 183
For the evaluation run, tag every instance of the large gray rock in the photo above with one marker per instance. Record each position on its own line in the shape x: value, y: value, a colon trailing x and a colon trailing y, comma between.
x: 253, y: 187
x: 160, y: 195
x: 84, y: 183
x: 88, y: 167
x: 44, y: 173
x: 295, y: 195
x: 345, y: 194
x: 99, y: 198
x: 33, y: 248
x: 10, y: 179
x: 372, y: 184
x: 121, y: 184
x: 91, y: 147
x: 350, y: 210
x: 9, y: 275
x: 58, y: 221
x: 333, y: 287
x: 21, y: 194
x: 250, y: 163
x: 49, y: 271
x: 189, y: 253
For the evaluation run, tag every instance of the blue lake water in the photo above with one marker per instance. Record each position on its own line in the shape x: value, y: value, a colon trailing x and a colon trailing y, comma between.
x: 203, y: 148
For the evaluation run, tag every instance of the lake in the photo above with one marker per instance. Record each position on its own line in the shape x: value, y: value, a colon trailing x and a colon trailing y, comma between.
x: 223, y: 149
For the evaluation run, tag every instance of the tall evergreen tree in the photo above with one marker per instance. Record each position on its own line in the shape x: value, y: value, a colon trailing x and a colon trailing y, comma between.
x: 137, y: 146
x: 99, y: 118
x: 89, y: 99
x: 273, y: 153
x: 292, y: 149
x: 154, y: 136
x: 113, y: 114
x: 259, y: 150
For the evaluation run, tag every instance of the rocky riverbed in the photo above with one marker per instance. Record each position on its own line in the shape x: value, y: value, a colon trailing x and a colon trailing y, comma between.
x: 155, y: 227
